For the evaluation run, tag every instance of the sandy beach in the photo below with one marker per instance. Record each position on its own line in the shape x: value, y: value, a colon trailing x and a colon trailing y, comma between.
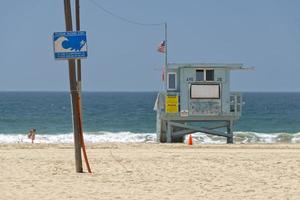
x: 151, y: 171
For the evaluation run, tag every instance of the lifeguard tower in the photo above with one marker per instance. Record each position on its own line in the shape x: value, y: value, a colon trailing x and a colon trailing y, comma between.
x: 197, y: 98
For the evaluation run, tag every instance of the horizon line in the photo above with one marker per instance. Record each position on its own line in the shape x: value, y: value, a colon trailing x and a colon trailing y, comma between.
x: 130, y: 91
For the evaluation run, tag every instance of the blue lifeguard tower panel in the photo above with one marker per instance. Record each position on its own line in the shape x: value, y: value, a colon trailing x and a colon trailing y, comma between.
x: 197, y: 98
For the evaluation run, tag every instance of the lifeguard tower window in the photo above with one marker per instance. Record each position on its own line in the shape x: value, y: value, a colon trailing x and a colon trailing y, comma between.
x: 200, y: 75
x: 205, y: 75
x: 205, y: 91
x: 172, y: 81
x: 210, y: 75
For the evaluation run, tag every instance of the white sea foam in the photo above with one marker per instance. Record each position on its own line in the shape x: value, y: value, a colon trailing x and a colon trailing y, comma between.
x: 94, y: 137
x: 129, y: 137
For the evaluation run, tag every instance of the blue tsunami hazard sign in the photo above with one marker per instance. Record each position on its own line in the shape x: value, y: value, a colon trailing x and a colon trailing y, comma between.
x: 70, y: 45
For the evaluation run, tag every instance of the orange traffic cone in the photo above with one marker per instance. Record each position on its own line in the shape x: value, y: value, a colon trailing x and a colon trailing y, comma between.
x: 190, y: 140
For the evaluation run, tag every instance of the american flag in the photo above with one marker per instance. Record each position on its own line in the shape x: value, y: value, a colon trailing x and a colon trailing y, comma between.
x: 162, y: 47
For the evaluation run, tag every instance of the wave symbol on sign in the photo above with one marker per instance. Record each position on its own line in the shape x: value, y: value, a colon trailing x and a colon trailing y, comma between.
x: 71, y: 44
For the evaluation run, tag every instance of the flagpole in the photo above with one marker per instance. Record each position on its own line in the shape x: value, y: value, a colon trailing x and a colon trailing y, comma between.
x: 166, y: 56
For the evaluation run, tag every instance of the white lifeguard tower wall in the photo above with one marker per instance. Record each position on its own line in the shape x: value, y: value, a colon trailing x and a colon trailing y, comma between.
x: 197, y: 92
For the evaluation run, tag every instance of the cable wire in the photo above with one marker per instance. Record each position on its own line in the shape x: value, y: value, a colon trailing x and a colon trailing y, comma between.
x: 123, y: 18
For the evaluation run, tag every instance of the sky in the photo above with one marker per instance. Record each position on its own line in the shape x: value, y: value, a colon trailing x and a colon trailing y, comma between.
x: 264, y: 34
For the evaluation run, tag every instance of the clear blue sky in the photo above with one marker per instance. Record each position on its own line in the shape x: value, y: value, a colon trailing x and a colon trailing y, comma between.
x: 123, y: 57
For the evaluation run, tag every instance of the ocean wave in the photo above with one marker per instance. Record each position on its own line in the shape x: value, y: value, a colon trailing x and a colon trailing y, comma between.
x: 249, y: 137
x: 89, y: 137
x: 130, y: 137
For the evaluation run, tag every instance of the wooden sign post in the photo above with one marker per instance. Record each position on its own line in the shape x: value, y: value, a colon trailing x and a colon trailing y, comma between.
x: 74, y: 93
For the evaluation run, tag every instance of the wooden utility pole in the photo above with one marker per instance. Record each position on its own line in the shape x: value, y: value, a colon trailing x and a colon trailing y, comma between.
x: 74, y: 93
x: 77, y: 11
x: 78, y: 61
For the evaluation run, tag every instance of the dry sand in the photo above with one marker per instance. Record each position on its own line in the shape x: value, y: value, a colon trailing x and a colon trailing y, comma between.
x: 151, y: 171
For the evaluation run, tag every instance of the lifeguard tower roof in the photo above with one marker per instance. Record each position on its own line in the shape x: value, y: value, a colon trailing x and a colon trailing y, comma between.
x: 231, y: 66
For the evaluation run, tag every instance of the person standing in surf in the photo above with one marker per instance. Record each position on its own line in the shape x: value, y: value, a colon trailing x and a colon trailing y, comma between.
x: 31, y: 134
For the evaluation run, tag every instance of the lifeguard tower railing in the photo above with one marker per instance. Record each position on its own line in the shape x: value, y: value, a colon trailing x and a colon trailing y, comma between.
x: 236, y: 103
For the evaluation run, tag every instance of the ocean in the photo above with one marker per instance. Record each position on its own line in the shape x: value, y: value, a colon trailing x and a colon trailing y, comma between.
x: 129, y: 117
